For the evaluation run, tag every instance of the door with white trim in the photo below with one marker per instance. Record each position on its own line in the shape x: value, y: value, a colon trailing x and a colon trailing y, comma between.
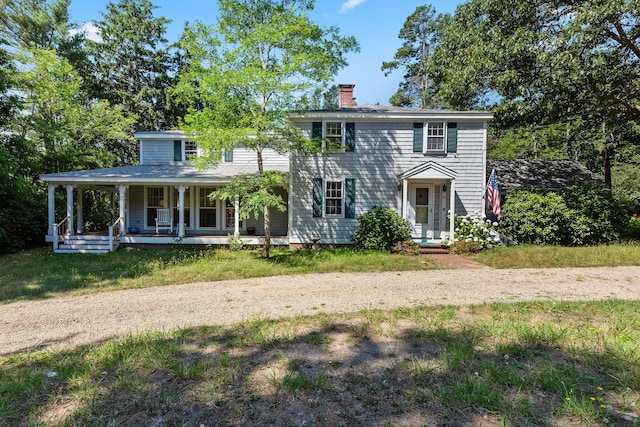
x: 421, y: 214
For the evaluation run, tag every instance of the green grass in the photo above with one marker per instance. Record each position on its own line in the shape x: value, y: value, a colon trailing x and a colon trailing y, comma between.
x: 561, y: 256
x: 546, y: 363
x: 37, y: 274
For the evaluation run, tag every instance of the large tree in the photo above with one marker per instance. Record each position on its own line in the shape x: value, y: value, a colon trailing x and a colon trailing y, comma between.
x: 420, y: 35
x: 134, y: 65
x: 264, y: 57
x: 545, y: 62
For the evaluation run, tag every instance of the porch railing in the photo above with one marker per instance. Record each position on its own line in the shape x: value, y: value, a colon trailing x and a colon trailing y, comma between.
x: 115, y: 230
x: 60, y: 230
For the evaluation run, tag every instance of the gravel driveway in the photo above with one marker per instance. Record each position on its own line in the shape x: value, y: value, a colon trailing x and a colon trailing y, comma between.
x: 70, y: 321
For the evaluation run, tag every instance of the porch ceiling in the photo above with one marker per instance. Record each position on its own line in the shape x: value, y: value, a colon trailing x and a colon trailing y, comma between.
x: 157, y: 174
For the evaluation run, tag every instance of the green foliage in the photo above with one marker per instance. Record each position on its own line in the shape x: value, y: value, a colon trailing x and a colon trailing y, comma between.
x: 420, y: 35
x: 133, y: 66
x: 634, y: 228
x: 474, y: 232
x: 255, y: 191
x: 381, y: 229
x: 243, y: 78
x: 536, y: 217
x: 580, y: 214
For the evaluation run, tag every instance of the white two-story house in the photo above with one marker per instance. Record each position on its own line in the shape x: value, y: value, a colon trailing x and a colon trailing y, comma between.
x: 421, y: 163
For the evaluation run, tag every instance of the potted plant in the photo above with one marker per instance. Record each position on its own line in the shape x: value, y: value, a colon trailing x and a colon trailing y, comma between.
x: 251, y: 230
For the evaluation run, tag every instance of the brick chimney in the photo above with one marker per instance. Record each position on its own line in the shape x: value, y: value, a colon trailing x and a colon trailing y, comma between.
x: 346, y: 98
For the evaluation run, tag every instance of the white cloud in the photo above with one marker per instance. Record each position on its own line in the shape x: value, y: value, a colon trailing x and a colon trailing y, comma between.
x: 350, y: 4
x: 90, y: 31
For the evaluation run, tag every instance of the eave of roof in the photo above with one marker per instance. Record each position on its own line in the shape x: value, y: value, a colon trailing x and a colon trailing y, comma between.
x: 377, y: 112
x: 158, y: 174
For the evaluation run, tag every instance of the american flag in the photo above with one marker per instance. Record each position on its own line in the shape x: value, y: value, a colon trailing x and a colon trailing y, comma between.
x: 493, y: 195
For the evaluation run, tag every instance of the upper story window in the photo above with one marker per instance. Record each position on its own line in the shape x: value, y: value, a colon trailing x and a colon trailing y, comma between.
x: 435, y: 137
x: 334, y: 132
x: 184, y: 150
x: 340, y: 134
x: 190, y: 150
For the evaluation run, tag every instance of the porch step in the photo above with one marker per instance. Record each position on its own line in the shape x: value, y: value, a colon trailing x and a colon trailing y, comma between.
x: 85, y: 244
x: 433, y: 248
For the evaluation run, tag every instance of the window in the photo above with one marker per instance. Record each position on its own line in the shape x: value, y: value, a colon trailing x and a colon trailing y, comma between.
x: 207, y: 208
x: 333, y: 198
x: 333, y: 132
x: 422, y: 205
x: 435, y: 137
x: 230, y: 214
x: 190, y: 150
x: 155, y: 201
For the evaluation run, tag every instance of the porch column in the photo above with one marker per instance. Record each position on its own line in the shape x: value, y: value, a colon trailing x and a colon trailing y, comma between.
x: 405, y: 196
x: 236, y: 216
x: 51, y: 204
x: 181, y: 189
x: 122, y: 192
x: 70, y: 188
x: 79, y: 221
x: 452, y: 208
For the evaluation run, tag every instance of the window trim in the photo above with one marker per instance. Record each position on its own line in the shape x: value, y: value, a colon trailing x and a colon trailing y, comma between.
x: 325, y: 214
x: 199, y: 208
x: 426, y: 136
x: 343, y: 136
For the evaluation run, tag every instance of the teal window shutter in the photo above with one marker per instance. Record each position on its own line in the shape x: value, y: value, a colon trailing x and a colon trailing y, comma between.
x: 177, y: 151
x: 349, y: 198
x: 228, y: 155
x: 418, y: 135
x: 316, y: 132
x: 452, y: 137
x: 317, y: 197
x: 350, y: 138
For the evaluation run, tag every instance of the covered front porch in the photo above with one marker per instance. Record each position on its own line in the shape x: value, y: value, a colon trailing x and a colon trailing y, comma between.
x: 181, y: 201
x: 427, y: 201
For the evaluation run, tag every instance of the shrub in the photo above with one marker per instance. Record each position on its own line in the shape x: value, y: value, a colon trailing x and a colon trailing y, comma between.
x: 474, y: 230
x: 381, y: 229
x: 580, y: 214
x: 633, y: 230
x: 533, y: 217
x: 601, y: 217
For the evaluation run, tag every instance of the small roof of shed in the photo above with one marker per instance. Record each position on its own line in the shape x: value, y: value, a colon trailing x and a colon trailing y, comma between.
x: 544, y: 173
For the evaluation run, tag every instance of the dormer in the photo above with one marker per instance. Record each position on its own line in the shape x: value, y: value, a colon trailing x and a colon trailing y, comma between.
x: 165, y: 147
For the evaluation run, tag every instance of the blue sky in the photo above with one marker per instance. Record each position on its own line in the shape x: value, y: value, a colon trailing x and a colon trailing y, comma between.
x: 375, y: 23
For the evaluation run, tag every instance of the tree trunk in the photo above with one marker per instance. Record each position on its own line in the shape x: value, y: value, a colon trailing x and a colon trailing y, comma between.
x: 267, y: 233
x: 267, y: 218
x: 607, y: 167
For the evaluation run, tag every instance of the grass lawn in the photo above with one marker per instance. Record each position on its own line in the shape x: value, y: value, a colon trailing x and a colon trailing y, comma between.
x: 553, y: 364
x: 559, y: 256
x: 40, y: 273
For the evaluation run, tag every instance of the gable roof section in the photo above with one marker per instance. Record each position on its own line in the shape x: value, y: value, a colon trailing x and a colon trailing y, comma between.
x: 158, y: 174
x: 428, y: 170
x: 544, y: 173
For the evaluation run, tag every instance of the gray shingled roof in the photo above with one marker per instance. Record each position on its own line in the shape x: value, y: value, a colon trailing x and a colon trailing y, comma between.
x: 157, y: 173
x: 544, y: 173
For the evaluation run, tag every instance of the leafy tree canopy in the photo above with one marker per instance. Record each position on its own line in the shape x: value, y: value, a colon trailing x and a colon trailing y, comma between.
x: 243, y: 76
x: 421, y: 32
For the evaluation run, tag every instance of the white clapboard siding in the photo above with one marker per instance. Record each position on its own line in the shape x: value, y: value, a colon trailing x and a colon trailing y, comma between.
x: 383, y: 151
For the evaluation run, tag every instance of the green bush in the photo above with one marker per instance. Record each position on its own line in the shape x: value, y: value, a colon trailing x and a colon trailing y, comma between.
x: 601, y: 217
x: 533, y: 217
x: 475, y: 230
x: 580, y: 214
x: 381, y: 229
x: 465, y: 247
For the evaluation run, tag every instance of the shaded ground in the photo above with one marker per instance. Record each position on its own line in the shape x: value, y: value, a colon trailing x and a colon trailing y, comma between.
x: 67, y: 322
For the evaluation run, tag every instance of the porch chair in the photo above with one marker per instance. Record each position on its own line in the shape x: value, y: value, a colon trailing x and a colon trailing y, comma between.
x: 163, y: 220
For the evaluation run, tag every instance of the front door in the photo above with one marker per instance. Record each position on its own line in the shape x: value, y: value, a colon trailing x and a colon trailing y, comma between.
x: 421, y: 213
